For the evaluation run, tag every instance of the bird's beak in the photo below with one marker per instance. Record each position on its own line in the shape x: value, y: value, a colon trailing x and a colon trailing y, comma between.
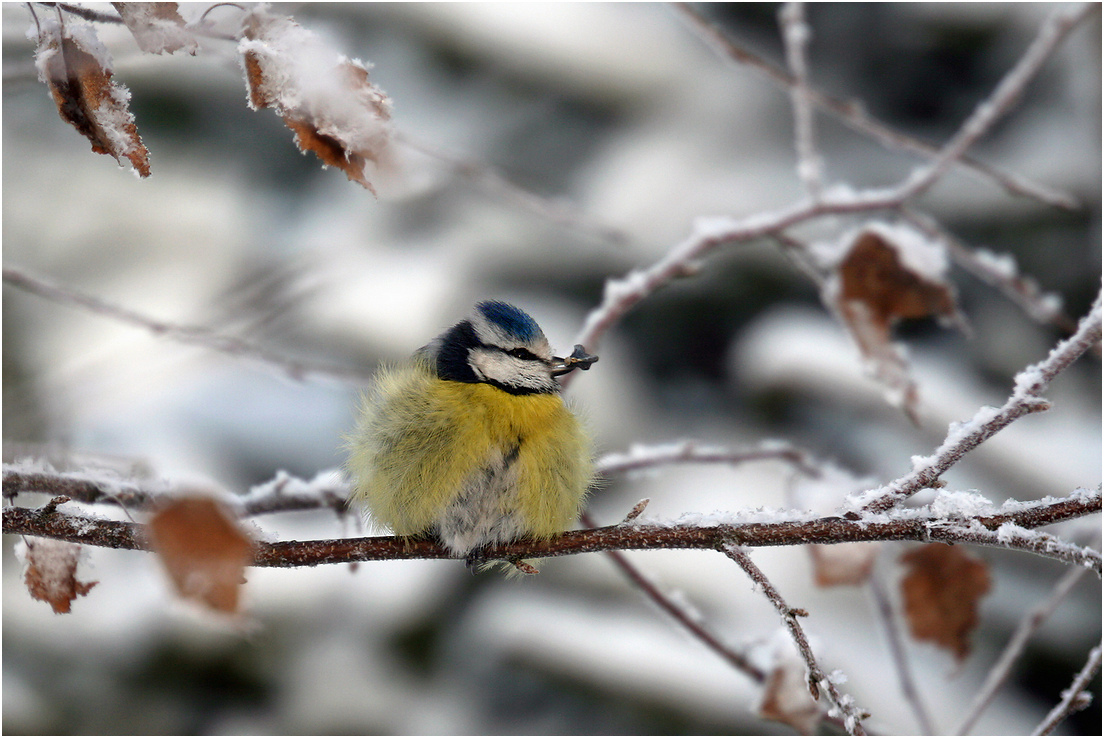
x: 579, y: 359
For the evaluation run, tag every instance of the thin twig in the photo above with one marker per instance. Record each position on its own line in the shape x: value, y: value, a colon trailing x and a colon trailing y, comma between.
x: 689, y: 452
x: 897, y: 651
x: 795, y: 37
x: 1014, y: 537
x: 853, y: 113
x: 680, y: 614
x: 1006, y: 94
x: 999, y: 272
x: 490, y: 180
x: 1002, y: 669
x: 816, y: 678
x: 195, y: 335
x: 1074, y: 698
x: 962, y: 438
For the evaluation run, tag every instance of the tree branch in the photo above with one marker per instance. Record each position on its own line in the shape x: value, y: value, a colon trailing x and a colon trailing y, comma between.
x: 816, y: 678
x: 194, y: 335
x: 964, y: 437
x: 1002, y: 669
x: 795, y: 36
x: 1074, y: 698
x: 916, y: 526
x: 853, y: 113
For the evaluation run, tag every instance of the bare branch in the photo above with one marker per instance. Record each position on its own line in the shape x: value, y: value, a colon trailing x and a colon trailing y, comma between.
x: 1002, y: 669
x: 853, y: 114
x: 493, y: 182
x: 1074, y: 698
x: 884, y: 609
x: 682, y: 614
x: 844, y: 705
x: 194, y: 335
x: 963, y: 438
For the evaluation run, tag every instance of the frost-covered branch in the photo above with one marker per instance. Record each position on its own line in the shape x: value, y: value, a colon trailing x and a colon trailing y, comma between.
x: 643, y: 456
x: 1016, y: 537
x: 795, y: 36
x: 999, y: 271
x: 284, y: 493
x: 853, y: 113
x: 843, y: 705
x: 194, y: 335
x: 1074, y: 698
x: 683, y: 613
x: 1002, y: 669
x: 1006, y: 94
x: 964, y: 437
x: 692, y: 531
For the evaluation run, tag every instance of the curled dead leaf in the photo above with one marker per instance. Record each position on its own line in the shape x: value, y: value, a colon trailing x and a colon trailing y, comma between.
x: 203, y: 549
x: 76, y: 68
x: 157, y: 27
x: 326, y: 100
x: 51, y: 572
x: 888, y: 274
x: 941, y: 591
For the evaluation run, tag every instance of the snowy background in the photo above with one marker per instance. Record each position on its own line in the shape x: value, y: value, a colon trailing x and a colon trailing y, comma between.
x: 622, y: 111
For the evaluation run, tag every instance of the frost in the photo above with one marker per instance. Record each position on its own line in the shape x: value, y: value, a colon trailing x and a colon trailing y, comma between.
x: 157, y: 27
x: 960, y: 505
x: 837, y: 677
x: 326, y: 99
x: 1009, y: 532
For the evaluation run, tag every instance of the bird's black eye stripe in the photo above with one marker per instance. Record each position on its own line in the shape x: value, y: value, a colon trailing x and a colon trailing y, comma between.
x: 520, y: 353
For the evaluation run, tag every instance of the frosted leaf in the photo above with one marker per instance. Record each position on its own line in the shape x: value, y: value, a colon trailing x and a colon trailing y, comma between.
x: 324, y: 98
x: 157, y: 27
x: 76, y: 68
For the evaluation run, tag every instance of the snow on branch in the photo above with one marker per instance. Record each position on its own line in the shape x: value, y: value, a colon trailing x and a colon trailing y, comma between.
x: 1074, y: 698
x: 853, y: 113
x: 1002, y: 669
x: 964, y: 437
x: 843, y: 705
x: 1006, y: 94
x: 692, y: 531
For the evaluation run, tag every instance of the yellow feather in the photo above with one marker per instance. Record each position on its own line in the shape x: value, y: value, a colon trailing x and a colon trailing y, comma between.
x: 421, y: 438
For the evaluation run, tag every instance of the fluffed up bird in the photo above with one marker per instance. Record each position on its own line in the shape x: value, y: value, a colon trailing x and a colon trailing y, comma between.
x: 470, y: 441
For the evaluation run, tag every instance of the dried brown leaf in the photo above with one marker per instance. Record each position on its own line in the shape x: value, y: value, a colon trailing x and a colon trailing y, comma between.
x: 326, y: 100
x: 941, y: 591
x: 877, y: 288
x: 786, y: 698
x: 76, y: 69
x: 157, y: 27
x: 843, y: 564
x: 51, y: 574
x: 203, y: 549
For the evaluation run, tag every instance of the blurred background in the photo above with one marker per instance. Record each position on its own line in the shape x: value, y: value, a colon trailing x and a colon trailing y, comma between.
x: 630, y: 127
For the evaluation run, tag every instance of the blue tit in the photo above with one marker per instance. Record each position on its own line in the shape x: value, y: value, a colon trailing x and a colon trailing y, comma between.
x: 470, y: 441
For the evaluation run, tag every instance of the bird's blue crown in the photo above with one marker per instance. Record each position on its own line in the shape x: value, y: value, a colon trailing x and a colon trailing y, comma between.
x: 510, y: 319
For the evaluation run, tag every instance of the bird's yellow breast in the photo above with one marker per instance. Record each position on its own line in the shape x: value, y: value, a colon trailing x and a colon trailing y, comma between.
x: 421, y: 439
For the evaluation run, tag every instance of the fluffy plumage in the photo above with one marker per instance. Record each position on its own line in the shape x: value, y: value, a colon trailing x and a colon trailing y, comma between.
x: 470, y: 441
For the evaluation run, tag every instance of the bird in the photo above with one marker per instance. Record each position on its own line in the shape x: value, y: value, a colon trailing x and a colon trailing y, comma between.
x: 470, y: 442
